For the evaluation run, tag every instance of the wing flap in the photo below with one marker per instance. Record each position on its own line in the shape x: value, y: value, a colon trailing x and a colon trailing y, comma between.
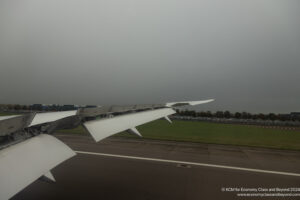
x: 25, y: 162
x: 16, y: 123
x: 47, y: 117
x: 8, y: 117
x: 103, y: 128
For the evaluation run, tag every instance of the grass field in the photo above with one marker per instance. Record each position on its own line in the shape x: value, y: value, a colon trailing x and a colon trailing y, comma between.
x: 212, y: 133
x: 6, y: 113
x: 215, y: 133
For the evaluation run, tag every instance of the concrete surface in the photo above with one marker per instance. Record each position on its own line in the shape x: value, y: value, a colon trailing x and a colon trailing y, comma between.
x: 103, y: 177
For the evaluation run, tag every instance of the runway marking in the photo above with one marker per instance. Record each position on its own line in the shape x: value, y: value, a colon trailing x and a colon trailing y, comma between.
x: 190, y: 163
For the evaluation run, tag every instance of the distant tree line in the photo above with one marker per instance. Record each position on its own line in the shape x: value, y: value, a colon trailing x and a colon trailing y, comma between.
x: 239, y: 115
x: 190, y: 113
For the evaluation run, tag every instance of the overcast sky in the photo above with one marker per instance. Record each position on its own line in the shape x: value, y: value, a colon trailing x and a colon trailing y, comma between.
x: 245, y: 54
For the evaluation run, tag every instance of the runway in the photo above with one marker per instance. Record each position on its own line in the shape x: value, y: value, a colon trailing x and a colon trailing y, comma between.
x: 122, y: 168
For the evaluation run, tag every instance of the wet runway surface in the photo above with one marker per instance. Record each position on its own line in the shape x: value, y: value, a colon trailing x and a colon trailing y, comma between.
x: 152, y: 172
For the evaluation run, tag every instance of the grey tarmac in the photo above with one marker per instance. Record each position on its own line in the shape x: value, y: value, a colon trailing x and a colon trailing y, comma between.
x: 101, y: 171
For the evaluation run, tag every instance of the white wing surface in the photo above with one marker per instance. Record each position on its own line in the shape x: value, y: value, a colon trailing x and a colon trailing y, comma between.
x: 8, y: 117
x: 47, y: 117
x: 103, y: 128
x: 191, y: 103
x: 25, y: 162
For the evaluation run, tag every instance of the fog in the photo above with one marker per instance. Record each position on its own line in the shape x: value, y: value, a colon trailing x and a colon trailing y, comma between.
x: 245, y: 54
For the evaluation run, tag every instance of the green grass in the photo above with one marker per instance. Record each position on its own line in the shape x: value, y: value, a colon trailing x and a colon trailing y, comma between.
x: 216, y: 133
x: 6, y: 113
x: 78, y: 130
x: 212, y: 133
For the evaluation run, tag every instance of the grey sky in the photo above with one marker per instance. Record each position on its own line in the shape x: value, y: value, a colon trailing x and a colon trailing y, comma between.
x: 245, y: 54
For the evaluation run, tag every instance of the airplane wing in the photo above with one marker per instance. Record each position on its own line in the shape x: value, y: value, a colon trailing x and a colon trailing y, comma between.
x: 186, y: 103
x: 103, y: 128
x: 28, y: 151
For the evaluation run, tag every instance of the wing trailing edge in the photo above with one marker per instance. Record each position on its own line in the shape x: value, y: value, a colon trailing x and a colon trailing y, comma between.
x: 187, y: 103
x: 102, y: 128
x: 47, y: 117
